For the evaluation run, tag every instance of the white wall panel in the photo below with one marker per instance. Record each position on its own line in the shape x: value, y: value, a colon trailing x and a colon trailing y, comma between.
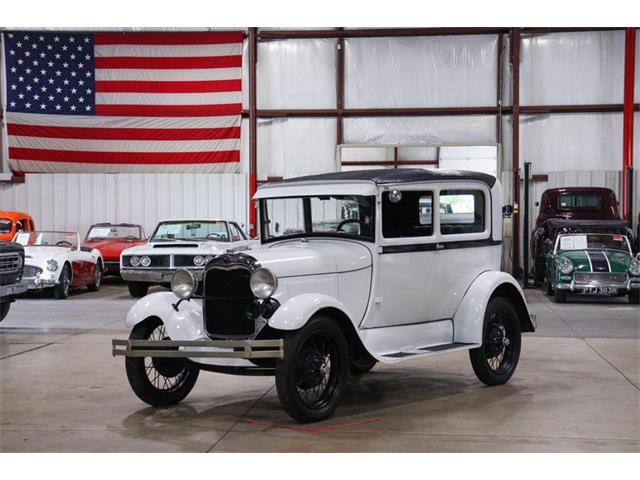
x: 572, y: 68
x: 421, y: 71
x: 75, y: 201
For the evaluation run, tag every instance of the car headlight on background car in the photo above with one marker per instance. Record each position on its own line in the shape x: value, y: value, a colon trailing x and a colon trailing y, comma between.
x: 52, y: 265
x: 634, y: 268
x: 263, y: 283
x: 145, y: 261
x: 198, y: 260
x: 208, y: 259
x: 183, y: 284
x: 566, y: 267
x: 134, y: 261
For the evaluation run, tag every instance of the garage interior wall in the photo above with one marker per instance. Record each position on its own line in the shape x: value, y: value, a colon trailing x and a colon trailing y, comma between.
x: 559, y: 68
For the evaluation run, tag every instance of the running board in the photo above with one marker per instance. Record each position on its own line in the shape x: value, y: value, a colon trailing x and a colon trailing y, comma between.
x: 446, y: 347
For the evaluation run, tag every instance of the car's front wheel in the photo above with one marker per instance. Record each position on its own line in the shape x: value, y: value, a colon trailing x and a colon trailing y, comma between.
x: 361, y: 362
x: 496, y: 359
x: 97, y: 279
x: 4, y: 309
x: 158, y: 381
x: 61, y: 290
x: 138, y: 290
x: 312, y: 376
x: 560, y: 296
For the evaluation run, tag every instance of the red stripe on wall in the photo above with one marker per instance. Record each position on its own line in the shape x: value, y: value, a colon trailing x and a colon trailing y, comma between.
x: 87, y: 133
x: 169, y: 110
x: 184, y: 38
x: 123, y: 157
x: 222, y: 61
x: 169, y: 87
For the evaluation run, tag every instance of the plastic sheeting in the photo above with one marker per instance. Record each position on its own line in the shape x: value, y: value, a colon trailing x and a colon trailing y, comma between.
x: 572, y: 68
x: 296, y: 73
x: 452, y: 71
x: 290, y: 147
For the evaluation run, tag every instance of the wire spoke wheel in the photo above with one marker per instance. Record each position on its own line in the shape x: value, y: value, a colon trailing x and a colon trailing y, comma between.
x: 499, y: 344
x: 316, y: 376
x: 163, y: 373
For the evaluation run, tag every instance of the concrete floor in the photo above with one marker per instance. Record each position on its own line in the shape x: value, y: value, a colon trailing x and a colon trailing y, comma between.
x: 576, y: 389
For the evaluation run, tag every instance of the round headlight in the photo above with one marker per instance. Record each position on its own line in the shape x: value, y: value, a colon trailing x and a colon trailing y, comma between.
x: 52, y: 265
x: 145, y: 261
x: 566, y: 267
x: 198, y: 260
x: 134, y: 261
x: 634, y: 268
x: 183, y: 284
x: 263, y: 283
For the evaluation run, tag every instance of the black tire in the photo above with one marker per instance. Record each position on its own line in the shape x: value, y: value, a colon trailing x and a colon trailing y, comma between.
x: 634, y: 297
x: 177, y: 379
x: 361, y: 362
x: 307, y: 390
x: 97, y: 279
x: 497, y: 358
x: 4, y: 309
x: 137, y: 290
x: 560, y: 296
x: 61, y: 290
x: 539, y: 270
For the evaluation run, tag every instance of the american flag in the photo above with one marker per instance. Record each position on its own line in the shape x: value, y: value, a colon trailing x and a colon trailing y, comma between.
x: 123, y: 102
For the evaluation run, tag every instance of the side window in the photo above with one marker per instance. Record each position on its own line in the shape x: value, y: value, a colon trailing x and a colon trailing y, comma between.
x: 407, y: 214
x: 461, y: 211
x: 236, y: 236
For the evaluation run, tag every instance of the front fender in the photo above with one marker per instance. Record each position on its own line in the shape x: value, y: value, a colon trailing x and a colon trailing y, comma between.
x: 469, y: 317
x: 295, y: 312
x: 185, y: 324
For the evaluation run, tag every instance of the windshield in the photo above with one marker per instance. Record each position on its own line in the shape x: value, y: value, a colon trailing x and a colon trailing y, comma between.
x: 5, y: 225
x: 191, y: 231
x: 578, y: 200
x: 104, y: 232
x: 326, y: 215
x: 47, y: 239
x: 593, y: 241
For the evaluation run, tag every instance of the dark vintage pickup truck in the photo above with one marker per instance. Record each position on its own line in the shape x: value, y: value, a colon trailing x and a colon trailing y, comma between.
x: 580, y: 210
x: 11, y: 268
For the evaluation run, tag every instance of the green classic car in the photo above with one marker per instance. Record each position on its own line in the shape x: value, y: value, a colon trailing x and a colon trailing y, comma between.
x: 592, y: 264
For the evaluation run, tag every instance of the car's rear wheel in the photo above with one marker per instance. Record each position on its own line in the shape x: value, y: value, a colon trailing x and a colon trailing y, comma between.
x: 634, y: 297
x: 158, y: 381
x: 497, y: 358
x: 311, y: 378
x: 97, y: 279
x: 560, y: 296
x: 361, y: 362
x: 4, y: 309
x: 62, y: 288
x: 138, y: 290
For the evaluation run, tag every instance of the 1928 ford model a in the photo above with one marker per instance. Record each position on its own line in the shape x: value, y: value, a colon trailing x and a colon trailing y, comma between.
x: 354, y: 268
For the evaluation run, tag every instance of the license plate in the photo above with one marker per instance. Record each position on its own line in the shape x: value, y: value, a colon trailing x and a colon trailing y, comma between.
x: 600, y: 291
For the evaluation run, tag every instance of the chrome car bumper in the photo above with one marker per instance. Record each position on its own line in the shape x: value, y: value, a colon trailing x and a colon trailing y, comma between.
x: 14, y: 289
x: 37, y: 283
x: 153, y: 275
x: 573, y: 286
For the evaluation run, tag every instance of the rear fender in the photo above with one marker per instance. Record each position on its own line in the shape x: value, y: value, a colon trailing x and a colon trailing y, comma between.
x: 469, y: 317
x: 184, y: 324
x: 296, y: 312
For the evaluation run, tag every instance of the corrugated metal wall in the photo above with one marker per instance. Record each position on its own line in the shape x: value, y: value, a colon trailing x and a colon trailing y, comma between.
x: 74, y: 201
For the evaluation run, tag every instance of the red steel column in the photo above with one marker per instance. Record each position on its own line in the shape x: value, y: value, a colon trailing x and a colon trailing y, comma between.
x: 515, y: 145
x: 627, y: 128
x: 253, y: 129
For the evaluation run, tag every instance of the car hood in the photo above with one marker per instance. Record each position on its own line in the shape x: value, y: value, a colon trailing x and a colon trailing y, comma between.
x: 598, y: 260
x: 187, y: 248
x: 37, y: 256
x: 110, y: 249
x: 314, y: 257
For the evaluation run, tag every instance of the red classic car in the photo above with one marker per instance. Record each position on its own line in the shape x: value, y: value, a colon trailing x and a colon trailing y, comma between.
x: 111, y: 239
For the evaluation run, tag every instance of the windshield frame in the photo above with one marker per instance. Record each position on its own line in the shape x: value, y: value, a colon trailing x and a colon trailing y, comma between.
x: 36, y: 233
x: 557, y: 250
x: 110, y: 225
x: 152, y: 238
x: 308, y: 220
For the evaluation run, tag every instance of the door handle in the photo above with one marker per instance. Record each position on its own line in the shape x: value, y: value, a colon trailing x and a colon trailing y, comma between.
x: 440, y: 246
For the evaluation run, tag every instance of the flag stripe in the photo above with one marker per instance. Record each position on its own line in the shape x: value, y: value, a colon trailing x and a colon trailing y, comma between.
x: 169, y: 62
x: 124, y: 157
x: 169, y: 110
x: 207, y: 98
x: 147, y: 134
x: 118, y: 146
x: 184, y: 38
x: 39, y: 166
x: 169, y: 87
x: 168, y: 50
x: 164, y: 75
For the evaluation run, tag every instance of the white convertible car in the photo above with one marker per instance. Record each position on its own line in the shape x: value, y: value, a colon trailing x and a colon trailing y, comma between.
x: 355, y: 268
x: 56, y: 260
x: 189, y: 244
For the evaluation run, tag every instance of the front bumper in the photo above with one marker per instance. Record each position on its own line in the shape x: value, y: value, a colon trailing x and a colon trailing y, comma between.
x: 578, y: 287
x: 244, y: 349
x: 14, y: 289
x: 155, y: 276
x: 38, y: 283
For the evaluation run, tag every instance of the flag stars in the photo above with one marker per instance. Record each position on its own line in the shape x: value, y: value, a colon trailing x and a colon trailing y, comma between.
x: 87, y: 57
x: 56, y: 39
x: 14, y: 69
x: 42, y: 54
x: 66, y: 99
x: 64, y: 48
x: 43, y: 106
x: 86, y: 39
x: 26, y: 37
x: 10, y: 35
x: 81, y: 65
x: 72, y: 56
x: 58, y: 73
x: 65, y: 81
x: 87, y: 108
x: 34, y: 46
x: 20, y: 61
x: 13, y: 104
x: 41, y: 38
x: 27, y: 105
x: 28, y: 88
x: 58, y: 90
x: 35, y: 63
x: 81, y: 99
x: 36, y: 80
x: 73, y: 108
x: 51, y: 98
x: 43, y: 89
x: 79, y: 48
x: 14, y: 86
x: 57, y: 56
x: 12, y: 52
x: 50, y: 64
x: 50, y: 81
x: 72, y: 39
x: 19, y: 44
x: 49, y: 47
x: 81, y: 82
x: 27, y: 54
x: 73, y: 74
x: 28, y: 71
x: 88, y: 74
x: 65, y: 65
x: 21, y: 96
x: 43, y: 72
x: 58, y: 107
x: 73, y: 90
x: 21, y: 79
x: 89, y: 91
x: 36, y: 97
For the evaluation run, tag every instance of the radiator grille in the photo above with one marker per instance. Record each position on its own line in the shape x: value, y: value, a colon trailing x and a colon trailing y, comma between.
x: 600, y: 278
x: 31, y: 271
x: 10, y: 262
x: 156, y: 261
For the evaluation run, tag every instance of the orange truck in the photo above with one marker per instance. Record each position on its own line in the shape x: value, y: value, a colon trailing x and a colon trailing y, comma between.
x: 14, y: 222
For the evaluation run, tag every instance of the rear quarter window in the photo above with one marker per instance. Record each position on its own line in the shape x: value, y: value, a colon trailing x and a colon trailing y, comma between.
x: 462, y: 211
x: 579, y: 200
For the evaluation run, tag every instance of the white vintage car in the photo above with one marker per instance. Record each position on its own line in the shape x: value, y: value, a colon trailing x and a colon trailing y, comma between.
x: 355, y: 268
x: 56, y: 260
x: 189, y: 244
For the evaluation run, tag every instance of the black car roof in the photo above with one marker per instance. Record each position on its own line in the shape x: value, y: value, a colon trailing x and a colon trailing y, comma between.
x: 383, y: 176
